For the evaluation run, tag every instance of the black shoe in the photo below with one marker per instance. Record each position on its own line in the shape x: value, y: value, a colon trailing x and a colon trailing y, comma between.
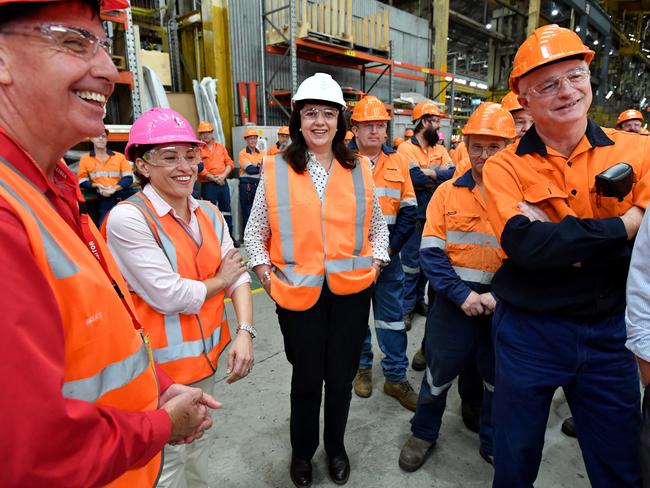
x: 471, y: 416
x: 488, y: 458
x: 340, y: 469
x: 419, y: 362
x: 421, y: 309
x: 569, y: 427
x: 300, y: 471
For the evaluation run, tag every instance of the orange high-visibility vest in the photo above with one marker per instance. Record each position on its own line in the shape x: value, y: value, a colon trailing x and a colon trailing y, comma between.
x: 393, y: 185
x: 310, y: 240
x: 187, y: 347
x: 107, y: 361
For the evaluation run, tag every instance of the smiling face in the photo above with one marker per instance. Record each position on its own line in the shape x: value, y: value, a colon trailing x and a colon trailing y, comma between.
x: 566, y: 107
x: 171, y: 169
x: 59, y: 95
x: 319, y: 131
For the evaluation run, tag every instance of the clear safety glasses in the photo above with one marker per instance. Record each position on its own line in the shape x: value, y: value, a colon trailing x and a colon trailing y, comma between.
x: 552, y: 86
x: 477, y: 151
x: 171, y: 156
x: 70, y: 40
x: 312, y: 114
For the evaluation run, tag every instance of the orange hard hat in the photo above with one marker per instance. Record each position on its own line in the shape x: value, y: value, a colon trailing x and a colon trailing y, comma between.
x: 630, y: 114
x: 283, y: 131
x: 369, y: 109
x: 491, y: 119
x: 205, y: 127
x: 104, y: 5
x: 510, y: 102
x: 426, y: 108
x: 545, y: 45
x: 408, y: 133
x: 397, y: 141
x: 348, y: 135
x: 250, y: 132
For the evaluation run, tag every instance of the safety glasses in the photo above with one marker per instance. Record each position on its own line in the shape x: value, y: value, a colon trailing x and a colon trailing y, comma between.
x: 552, y: 86
x: 172, y: 156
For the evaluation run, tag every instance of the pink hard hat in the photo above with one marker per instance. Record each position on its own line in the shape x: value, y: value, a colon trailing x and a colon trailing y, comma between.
x: 160, y: 126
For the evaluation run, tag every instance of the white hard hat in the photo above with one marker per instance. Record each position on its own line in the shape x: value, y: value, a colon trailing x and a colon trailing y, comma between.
x: 320, y: 86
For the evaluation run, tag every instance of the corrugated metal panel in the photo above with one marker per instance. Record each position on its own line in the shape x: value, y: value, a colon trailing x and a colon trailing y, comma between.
x: 408, y: 33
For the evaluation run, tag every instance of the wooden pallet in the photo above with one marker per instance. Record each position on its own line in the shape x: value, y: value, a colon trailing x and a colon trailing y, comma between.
x: 329, y: 39
x: 376, y: 52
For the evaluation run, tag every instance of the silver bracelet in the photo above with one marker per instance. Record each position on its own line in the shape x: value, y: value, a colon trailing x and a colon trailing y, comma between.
x: 266, y: 277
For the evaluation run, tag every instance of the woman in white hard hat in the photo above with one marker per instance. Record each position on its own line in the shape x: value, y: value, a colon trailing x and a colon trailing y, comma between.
x: 317, y: 240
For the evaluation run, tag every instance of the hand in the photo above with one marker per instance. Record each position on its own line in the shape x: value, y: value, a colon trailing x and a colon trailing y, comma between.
x: 489, y: 302
x: 188, y: 409
x: 632, y: 221
x: 430, y: 172
x: 232, y: 267
x: 644, y: 369
x: 377, y: 269
x: 447, y: 165
x: 472, y: 305
x: 240, y: 357
x: 533, y: 212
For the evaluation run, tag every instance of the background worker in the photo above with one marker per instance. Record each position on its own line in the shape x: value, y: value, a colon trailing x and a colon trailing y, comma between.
x: 349, y: 135
x: 82, y: 403
x: 396, y: 142
x: 284, y: 139
x: 394, y: 189
x: 630, y: 121
x: 217, y: 165
x: 430, y: 165
x: 178, y: 259
x: 459, y: 255
x: 523, y: 120
x: 250, y: 165
x: 408, y: 133
x: 559, y: 321
x: 458, y: 154
x: 106, y: 171
x: 320, y: 273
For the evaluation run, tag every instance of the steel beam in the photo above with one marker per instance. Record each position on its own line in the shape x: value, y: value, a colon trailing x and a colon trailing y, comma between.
x: 440, y: 14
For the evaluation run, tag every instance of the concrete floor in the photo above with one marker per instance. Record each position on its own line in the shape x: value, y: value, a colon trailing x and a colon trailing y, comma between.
x: 251, y: 433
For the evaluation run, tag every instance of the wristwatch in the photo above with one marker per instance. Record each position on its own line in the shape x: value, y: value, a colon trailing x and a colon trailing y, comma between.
x: 248, y: 328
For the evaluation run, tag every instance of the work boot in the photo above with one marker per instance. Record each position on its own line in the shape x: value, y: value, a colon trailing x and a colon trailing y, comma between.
x: 471, y: 416
x: 569, y: 427
x: 403, y: 392
x: 419, y: 363
x: 421, y: 308
x: 363, y: 382
x: 488, y: 458
x: 408, y: 321
x: 414, y: 453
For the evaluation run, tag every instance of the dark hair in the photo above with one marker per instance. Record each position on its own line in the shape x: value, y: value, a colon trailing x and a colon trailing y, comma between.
x: 296, y: 152
x: 138, y: 151
x: 419, y: 127
x: 15, y: 11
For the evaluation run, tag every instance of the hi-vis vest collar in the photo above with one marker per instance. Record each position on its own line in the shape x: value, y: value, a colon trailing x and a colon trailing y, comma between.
x: 531, y: 142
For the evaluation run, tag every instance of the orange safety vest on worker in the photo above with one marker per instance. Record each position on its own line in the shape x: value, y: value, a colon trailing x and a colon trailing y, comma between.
x: 187, y: 347
x: 116, y: 167
x: 273, y: 150
x: 459, y: 153
x: 215, y: 158
x: 457, y: 222
x: 107, y: 361
x: 415, y: 155
x: 393, y: 185
x: 310, y: 240
x: 249, y: 157
x: 563, y: 186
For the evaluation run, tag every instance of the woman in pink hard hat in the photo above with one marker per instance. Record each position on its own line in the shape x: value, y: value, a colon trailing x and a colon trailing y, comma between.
x: 180, y: 263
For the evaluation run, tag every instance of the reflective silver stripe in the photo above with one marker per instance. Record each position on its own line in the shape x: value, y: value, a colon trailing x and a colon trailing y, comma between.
x: 62, y: 266
x: 432, y: 241
x: 409, y: 270
x: 110, y: 174
x: 399, y: 325
x: 284, y: 209
x: 246, y: 175
x: 413, y: 164
x: 479, y: 238
x: 390, y: 219
x: 408, y: 202
x: 388, y: 192
x: 488, y: 386
x: 300, y: 279
x: 436, y: 390
x: 83, y: 180
x: 474, y: 275
x: 348, y: 264
x: 211, y: 212
x: 113, y: 376
x: 187, y: 349
x: 360, y: 214
x: 127, y: 173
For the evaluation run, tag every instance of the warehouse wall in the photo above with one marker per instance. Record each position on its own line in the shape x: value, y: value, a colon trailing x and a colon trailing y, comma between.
x: 409, y: 35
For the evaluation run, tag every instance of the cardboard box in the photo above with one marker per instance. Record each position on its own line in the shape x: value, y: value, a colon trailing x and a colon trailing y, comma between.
x: 159, y: 62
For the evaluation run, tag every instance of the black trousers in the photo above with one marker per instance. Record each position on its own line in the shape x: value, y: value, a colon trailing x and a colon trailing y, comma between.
x: 323, y: 344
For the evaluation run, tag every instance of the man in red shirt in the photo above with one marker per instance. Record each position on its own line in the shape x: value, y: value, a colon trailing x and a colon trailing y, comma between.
x: 61, y: 425
x: 217, y: 165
